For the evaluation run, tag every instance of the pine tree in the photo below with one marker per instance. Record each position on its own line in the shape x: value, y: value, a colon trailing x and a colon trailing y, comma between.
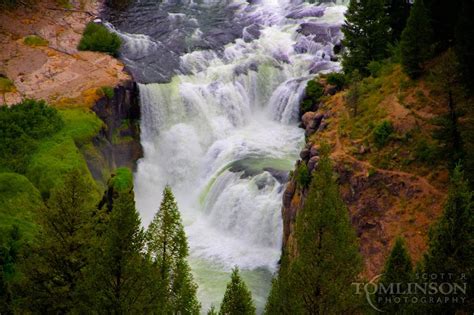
x: 212, y: 310
x: 237, y: 298
x: 9, y: 250
x: 465, y: 42
x: 328, y: 259
x: 366, y: 34
x: 397, y: 12
x: 118, y: 281
x: 167, y: 245
x: 55, y: 262
x: 451, y: 243
x: 398, y: 269
x: 416, y: 40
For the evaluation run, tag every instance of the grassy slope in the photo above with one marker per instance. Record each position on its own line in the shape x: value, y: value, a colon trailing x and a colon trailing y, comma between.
x: 399, y: 188
x: 20, y: 196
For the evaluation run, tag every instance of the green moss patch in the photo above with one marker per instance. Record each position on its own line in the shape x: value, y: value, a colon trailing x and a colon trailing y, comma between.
x: 122, y: 179
x: 34, y: 40
x: 19, y: 200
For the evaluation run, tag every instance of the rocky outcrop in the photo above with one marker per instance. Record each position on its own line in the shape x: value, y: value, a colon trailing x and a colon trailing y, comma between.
x: 383, y: 204
x: 119, y: 140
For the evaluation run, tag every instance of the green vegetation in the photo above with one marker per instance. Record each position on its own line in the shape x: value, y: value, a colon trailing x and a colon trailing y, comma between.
x: 6, y: 85
x: 237, y: 298
x: 337, y: 79
x: 398, y: 12
x: 313, y: 92
x: 365, y: 34
x: 416, y: 40
x: 168, y: 247
x: 318, y: 280
x: 382, y: 133
x: 22, y: 127
x: 19, y: 201
x: 97, y: 37
x: 303, y: 176
x: 451, y: 243
x: 398, y: 269
x: 56, y: 259
x: 35, y: 40
x: 122, y: 180
x: 106, y: 91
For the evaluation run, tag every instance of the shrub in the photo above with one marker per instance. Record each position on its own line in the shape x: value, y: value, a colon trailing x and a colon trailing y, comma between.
x: 425, y: 152
x: 6, y: 85
x: 97, y: 37
x: 374, y: 68
x: 34, y: 40
x: 21, y: 126
x: 313, y: 92
x: 382, y: 133
x: 106, y: 91
x: 303, y: 177
x: 337, y: 79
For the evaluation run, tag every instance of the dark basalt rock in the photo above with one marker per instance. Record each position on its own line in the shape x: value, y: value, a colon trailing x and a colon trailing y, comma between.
x: 119, y: 141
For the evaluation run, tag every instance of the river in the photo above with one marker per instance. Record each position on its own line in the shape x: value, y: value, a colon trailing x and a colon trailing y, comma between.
x: 220, y: 85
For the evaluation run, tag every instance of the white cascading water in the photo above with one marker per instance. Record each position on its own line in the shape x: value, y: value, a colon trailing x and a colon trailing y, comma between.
x: 224, y: 137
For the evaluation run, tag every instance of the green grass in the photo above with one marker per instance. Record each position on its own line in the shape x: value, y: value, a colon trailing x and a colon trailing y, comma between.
x: 19, y: 200
x: 34, y: 40
x: 122, y: 179
x: 60, y: 153
x: 80, y: 125
x: 6, y: 85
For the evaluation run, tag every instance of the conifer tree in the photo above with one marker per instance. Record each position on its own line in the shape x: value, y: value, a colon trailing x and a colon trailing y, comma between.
x: 451, y: 244
x: 168, y: 248
x: 118, y: 281
x: 397, y: 12
x: 416, y: 40
x: 366, y: 34
x: 328, y: 259
x: 237, y: 298
x: 398, y: 269
x: 465, y: 42
x: 55, y: 262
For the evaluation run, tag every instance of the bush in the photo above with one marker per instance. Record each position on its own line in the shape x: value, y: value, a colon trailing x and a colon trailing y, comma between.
x: 106, y: 91
x: 97, y: 37
x: 33, y: 40
x: 426, y: 152
x: 303, y: 177
x: 313, y: 92
x: 21, y: 126
x: 374, y: 68
x: 382, y: 133
x: 6, y: 85
x: 337, y: 79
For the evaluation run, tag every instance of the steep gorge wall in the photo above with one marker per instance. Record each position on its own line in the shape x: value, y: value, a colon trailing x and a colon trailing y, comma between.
x: 383, y: 203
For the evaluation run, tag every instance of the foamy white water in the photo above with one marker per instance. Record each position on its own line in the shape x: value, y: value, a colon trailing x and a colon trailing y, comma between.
x: 224, y: 136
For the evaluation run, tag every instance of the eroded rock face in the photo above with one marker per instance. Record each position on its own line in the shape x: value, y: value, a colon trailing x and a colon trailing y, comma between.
x: 57, y: 72
x: 119, y: 141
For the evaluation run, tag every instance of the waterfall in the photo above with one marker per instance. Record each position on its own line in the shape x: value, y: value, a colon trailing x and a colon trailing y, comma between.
x: 222, y: 131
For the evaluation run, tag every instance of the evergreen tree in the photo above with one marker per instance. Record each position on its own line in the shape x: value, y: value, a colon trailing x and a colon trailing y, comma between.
x: 366, y: 34
x: 465, y: 42
x: 168, y: 248
x: 55, y: 262
x: 9, y: 249
x: 118, y: 281
x: 212, y: 311
x: 328, y: 258
x: 397, y: 12
x: 281, y: 297
x: 416, y: 40
x: 398, y: 269
x: 237, y: 298
x: 451, y: 244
